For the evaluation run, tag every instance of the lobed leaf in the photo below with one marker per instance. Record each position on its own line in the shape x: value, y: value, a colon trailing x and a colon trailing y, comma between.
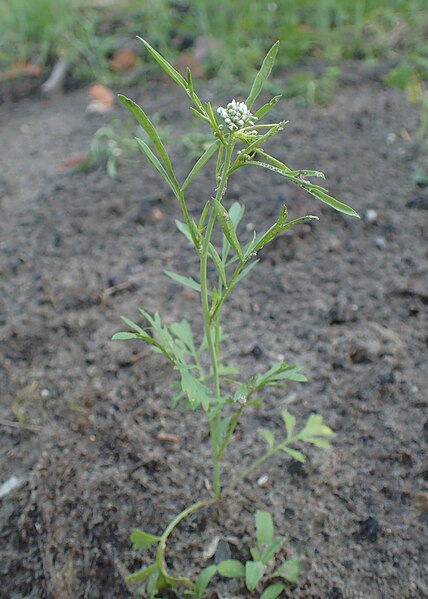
x: 289, y: 421
x: 197, y: 393
x: 268, y: 436
x: 142, y: 540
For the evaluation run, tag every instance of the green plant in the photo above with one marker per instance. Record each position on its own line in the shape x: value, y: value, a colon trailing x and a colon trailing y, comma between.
x: 205, y: 382
x: 260, y: 570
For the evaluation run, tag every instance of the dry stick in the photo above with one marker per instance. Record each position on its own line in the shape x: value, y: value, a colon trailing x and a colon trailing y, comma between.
x: 33, y: 428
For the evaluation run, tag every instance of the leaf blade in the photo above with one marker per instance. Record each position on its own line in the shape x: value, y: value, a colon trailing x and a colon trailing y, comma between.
x: 262, y: 75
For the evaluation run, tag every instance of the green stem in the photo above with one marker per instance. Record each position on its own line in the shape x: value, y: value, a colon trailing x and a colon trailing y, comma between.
x: 160, y: 554
x: 230, y: 431
x: 255, y: 465
x: 212, y: 330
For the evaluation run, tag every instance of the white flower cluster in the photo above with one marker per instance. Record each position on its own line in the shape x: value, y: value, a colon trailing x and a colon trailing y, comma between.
x: 236, y: 115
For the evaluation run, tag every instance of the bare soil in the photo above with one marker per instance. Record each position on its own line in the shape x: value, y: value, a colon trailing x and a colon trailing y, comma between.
x: 100, y: 451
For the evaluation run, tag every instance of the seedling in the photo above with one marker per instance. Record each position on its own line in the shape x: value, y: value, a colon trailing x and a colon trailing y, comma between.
x: 205, y: 383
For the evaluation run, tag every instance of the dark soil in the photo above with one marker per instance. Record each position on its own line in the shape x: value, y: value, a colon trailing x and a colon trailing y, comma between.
x: 99, y: 450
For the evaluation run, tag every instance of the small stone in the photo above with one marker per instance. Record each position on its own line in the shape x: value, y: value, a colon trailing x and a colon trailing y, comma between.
x: 263, y: 480
x: 379, y: 242
x: 257, y: 352
x: 370, y: 216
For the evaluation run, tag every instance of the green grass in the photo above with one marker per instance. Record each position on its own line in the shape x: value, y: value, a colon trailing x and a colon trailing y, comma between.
x: 328, y: 30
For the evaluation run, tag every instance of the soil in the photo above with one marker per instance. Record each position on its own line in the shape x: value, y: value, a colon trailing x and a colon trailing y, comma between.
x: 98, y: 449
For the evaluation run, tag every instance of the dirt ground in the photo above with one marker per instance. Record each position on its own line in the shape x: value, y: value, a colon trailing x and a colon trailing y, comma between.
x: 100, y: 450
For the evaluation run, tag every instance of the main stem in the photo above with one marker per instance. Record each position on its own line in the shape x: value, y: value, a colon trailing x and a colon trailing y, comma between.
x: 211, y: 328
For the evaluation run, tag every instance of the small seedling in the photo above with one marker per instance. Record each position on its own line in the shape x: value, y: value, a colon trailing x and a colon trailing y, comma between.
x: 205, y: 382
x: 261, y: 570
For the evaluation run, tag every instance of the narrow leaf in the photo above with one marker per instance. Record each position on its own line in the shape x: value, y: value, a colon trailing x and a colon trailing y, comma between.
x: 134, y: 326
x: 218, y: 264
x: 184, y: 229
x: 253, y: 574
x: 200, y: 163
x: 273, y: 591
x: 267, y: 107
x: 272, y: 549
x: 332, y: 202
x: 155, y: 162
x: 142, y: 540
x: 246, y: 271
x: 231, y: 568
x: 264, y: 528
x: 168, y: 68
x: 227, y: 227
x: 141, y: 574
x: 288, y: 570
x: 149, y: 128
x: 186, y: 281
x: 295, y: 454
x: 262, y: 75
x: 124, y: 336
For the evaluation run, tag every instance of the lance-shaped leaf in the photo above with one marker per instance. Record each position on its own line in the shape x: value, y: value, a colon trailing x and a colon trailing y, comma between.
x: 168, y: 68
x: 218, y: 264
x: 227, y: 227
x: 184, y: 229
x: 149, y: 128
x: 142, y: 540
x: 186, y: 281
x: 200, y: 163
x: 314, y: 190
x: 295, y: 454
x: 155, y: 162
x: 141, y: 574
x: 262, y: 75
x: 267, y: 107
x: 277, y: 373
x: 273, y: 548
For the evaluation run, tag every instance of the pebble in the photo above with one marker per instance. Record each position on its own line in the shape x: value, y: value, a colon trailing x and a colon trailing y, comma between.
x: 370, y: 216
x: 379, y: 242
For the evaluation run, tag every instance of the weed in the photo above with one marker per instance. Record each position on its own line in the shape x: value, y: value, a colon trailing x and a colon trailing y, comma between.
x: 206, y: 384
